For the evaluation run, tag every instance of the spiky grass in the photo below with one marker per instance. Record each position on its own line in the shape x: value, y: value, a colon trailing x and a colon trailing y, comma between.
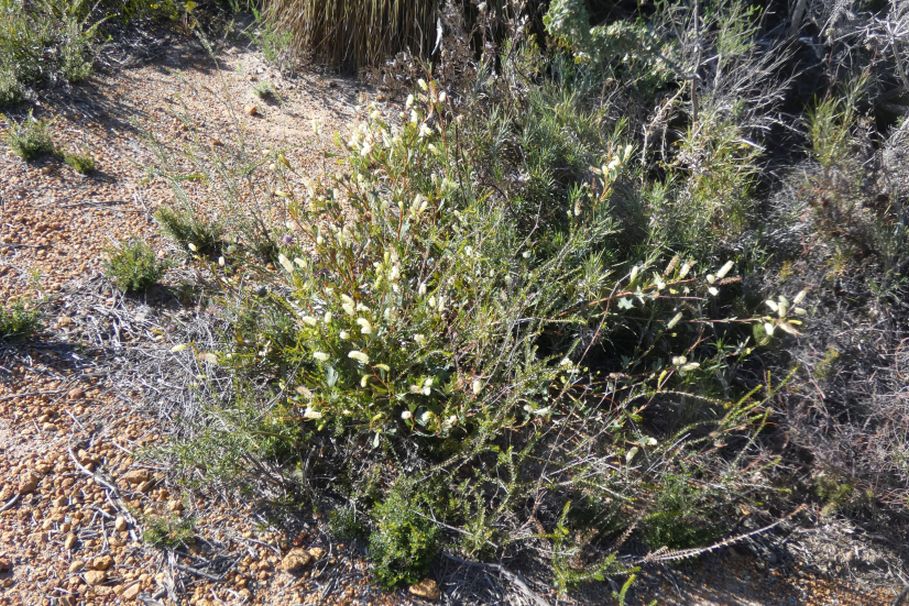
x: 354, y: 33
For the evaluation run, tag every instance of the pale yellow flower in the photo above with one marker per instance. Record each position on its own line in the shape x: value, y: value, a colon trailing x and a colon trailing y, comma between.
x: 359, y: 356
x: 365, y: 326
x: 286, y: 264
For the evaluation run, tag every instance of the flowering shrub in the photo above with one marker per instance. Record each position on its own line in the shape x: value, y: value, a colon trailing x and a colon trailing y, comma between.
x: 409, y: 293
x: 426, y: 323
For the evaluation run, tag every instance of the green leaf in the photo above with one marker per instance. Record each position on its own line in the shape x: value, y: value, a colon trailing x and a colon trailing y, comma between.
x: 331, y: 376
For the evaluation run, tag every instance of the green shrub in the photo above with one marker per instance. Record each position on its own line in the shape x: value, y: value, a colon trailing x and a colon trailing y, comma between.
x: 831, y: 123
x: 266, y: 92
x: 46, y: 41
x: 133, y: 266
x: 81, y: 163
x: 168, y: 531
x: 405, y: 540
x: 189, y: 12
x: 554, y: 287
x: 345, y: 524
x: 274, y: 41
x: 681, y: 514
x: 42, y: 41
x: 195, y: 234
x: 465, y: 307
x: 10, y: 88
x: 30, y: 139
x: 625, y: 48
x: 17, y: 321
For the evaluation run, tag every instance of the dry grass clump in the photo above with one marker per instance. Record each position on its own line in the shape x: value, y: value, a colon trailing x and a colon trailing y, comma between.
x: 356, y: 32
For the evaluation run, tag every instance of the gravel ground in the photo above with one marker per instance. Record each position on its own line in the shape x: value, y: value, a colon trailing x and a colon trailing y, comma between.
x: 77, y: 498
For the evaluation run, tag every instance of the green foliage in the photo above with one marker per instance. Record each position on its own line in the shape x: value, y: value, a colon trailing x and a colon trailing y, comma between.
x: 621, y: 595
x: 82, y: 163
x: 831, y: 124
x: 168, y: 531
x: 624, y: 48
x: 46, y: 41
x: 469, y: 299
x: 681, y: 515
x: 542, y: 294
x: 219, y: 456
x: 405, y: 540
x: 30, y: 139
x: 275, y: 41
x: 266, y: 92
x: 345, y: 525
x: 133, y: 267
x: 193, y: 233
x: 43, y: 41
x: 709, y: 205
x: 18, y: 321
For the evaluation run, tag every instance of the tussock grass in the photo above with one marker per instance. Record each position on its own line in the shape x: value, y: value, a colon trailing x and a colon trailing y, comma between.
x: 354, y: 33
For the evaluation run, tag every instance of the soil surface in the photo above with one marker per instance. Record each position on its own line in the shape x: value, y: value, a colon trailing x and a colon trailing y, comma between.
x: 85, y: 517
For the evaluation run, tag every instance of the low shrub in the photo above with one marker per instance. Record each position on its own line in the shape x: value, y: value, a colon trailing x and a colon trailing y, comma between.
x: 441, y: 319
x: 405, y: 540
x: 536, y: 316
x: 31, y: 138
x: 168, y: 531
x: 44, y: 41
x: 195, y: 234
x: 18, y: 321
x: 82, y: 163
x: 133, y: 266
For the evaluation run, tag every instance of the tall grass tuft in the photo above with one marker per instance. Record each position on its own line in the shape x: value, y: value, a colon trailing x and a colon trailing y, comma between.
x: 353, y: 33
